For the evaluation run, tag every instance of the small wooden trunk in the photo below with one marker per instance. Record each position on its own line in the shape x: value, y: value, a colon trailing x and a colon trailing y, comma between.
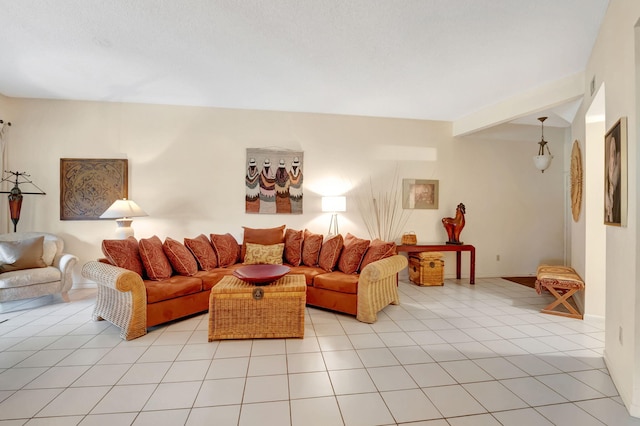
x: 238, y: 310
x: 426, y: 269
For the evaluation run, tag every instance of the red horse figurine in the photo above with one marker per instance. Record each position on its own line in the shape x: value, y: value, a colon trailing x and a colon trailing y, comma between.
x: 454, y: 225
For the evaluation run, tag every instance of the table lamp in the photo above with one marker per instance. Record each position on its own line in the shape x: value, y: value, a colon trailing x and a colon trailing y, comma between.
x: 123, y: 210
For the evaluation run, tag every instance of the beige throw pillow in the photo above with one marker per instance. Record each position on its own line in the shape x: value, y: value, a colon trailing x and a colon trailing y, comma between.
x: 23, y: 254
x: 259, y: 254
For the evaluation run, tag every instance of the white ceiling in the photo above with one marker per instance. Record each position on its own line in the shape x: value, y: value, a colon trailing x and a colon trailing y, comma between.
x: 423, y: 59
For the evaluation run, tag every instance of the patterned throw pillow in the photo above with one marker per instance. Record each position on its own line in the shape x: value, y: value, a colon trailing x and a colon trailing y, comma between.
x: 311, y: 248
x: 180, y: 257
x: 226, y: 248
x: 259, y: 254
x: 378, y: 250
x: 203, y: 251
x: 352, y: 254
x: 264, y: 236
x: 330, y: 252
x: 154, y: 260
x: 293, y: 247
x: 124, y: 254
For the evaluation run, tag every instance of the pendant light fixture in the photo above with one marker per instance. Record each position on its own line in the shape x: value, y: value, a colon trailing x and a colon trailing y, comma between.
x: 542, y: 160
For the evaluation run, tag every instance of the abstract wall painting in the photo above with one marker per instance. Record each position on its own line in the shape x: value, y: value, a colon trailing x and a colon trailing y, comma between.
x: 88, y: 186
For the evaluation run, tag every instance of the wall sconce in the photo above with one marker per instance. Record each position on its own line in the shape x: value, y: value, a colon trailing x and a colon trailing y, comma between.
x: 334, y: 205
x: 122, y: 211
x: 16, y: 195
x: 542, y: 160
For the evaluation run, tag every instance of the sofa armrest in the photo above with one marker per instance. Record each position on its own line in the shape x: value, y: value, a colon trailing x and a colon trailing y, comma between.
x: 65, y: 263
x: 121, y: 299
x: 378, y: 286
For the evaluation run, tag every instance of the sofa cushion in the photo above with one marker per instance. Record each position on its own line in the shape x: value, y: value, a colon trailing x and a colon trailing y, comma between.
x: 213, y: 277
x: 22, y: 254
x: 337, y: 281
x: 311, y: 248
x: 293, y: 247
x: 172, y: 287
x: 258, y: 254
x: 203, y: 251
x: 22, y: 278
x: 309, y: 272
x: 352, y: 254
x: 264, y: 236
x: 330, y: 252
x: 124, y: 254
x: 226, y: 248
x: 153, y: 258
x: 377, y: 250
x: 181, y: 259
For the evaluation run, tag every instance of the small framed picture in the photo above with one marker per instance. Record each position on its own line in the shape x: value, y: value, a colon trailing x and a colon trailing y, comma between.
x: 419, y: 194
x: 615, y: 174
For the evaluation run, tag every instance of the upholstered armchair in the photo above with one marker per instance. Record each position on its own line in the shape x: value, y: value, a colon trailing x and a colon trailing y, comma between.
x: 33, y: 264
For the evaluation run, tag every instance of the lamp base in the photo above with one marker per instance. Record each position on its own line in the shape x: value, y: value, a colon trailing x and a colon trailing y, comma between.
x: 333, y: 225
x: 123, y: 228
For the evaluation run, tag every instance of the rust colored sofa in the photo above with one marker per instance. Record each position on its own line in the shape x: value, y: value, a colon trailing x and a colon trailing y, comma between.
x: 146, y: 283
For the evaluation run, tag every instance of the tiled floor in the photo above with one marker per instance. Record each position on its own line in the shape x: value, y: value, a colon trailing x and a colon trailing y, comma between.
x: 456, y: 355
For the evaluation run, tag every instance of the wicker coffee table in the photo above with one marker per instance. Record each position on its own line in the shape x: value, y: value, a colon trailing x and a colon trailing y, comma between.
x: 239, y: 310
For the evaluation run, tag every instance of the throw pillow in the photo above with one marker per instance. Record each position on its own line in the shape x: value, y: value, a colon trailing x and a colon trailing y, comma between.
x: 330, y: 252
x: 203, y: 252
x: 22, y: 254
x: 377, y: 250
x: 260, y: 254
x: 226, y: 248
x: 124, y: 254
x: 153, y: 258
x: 311, y: 248
x: 180, y: 257
x: 352, y: 254
x: 264, y: 236
x: 49, y: 250
x: 293, y: 247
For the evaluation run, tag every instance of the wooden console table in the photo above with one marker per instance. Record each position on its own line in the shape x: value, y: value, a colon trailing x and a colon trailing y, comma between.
x: 417, y: 248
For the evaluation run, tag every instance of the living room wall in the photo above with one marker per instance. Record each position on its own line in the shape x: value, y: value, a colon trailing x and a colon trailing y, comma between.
x: 187, y: 167
x: 615, y: 63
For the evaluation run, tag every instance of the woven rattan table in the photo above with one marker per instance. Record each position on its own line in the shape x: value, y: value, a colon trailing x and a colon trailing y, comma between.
x: 239, y: 310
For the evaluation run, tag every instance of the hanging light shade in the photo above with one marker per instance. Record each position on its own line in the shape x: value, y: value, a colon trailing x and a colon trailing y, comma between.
x: 542, y: 161
x: 15, y: 205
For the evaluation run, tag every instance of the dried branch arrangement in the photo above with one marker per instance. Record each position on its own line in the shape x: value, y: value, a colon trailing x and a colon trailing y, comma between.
x: 380, y: 206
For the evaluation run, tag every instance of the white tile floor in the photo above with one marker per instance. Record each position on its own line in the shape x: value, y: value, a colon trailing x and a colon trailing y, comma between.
x: 456, y: 355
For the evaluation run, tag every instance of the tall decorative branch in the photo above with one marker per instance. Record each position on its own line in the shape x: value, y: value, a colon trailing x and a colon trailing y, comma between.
x: 380, y: 206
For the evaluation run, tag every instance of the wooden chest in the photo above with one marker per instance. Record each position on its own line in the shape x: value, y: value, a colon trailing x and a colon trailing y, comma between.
x: 426, y: 269
x: 239, y: 310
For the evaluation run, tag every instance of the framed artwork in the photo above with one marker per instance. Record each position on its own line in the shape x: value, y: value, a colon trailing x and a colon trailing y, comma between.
x: 89, y: 186
x: 419, y: 194
x: 615, y: 174
x: 273, y: 181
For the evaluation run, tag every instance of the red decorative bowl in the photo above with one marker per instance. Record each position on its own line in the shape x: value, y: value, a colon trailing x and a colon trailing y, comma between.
x: 261, y: 274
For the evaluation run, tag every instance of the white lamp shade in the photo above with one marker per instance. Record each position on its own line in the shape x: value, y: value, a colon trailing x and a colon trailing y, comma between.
x: 542, y: 162
x: 123, y: 208
x: 334, y: 204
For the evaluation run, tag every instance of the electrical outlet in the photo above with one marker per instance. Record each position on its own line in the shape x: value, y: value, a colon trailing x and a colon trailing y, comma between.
x: 497, y: 258
x: 620, y: 334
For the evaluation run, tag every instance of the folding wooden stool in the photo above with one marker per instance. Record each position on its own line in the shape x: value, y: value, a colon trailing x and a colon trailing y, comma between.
x: 563, y: 282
